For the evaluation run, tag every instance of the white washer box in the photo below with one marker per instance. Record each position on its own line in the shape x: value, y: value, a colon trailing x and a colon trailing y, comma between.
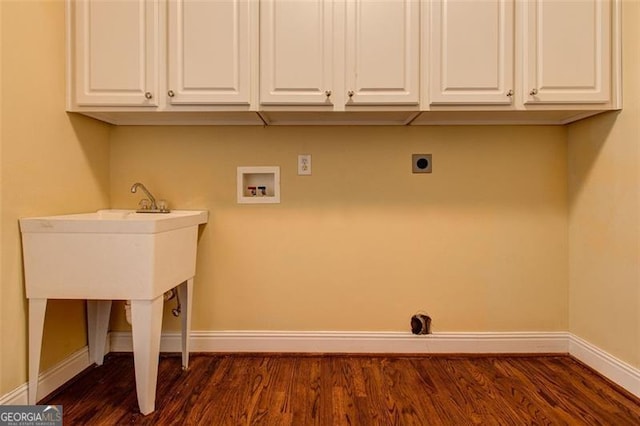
x: 250, y: 181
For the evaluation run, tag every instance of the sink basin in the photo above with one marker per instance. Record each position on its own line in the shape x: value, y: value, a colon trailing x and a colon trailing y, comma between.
x: 115, y: 222
x: 109, y: 254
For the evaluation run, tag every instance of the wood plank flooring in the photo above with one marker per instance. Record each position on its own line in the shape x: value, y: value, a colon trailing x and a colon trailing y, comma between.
x: 351, y: 390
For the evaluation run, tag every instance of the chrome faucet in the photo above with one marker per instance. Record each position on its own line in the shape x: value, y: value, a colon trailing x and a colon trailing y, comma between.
x: 134, y: 188
x: 153, y: 208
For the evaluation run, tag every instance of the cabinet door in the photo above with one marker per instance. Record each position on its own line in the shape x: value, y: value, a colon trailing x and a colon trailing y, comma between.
x: 296, y: 51
x: 382, y: 51
x: 116, y: 52
x: 471, y: 52
x: 567, y: 51
x: 209, y: 52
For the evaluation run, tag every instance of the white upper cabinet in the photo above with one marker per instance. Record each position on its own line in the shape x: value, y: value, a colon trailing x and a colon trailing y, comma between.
x: 296, y: 52
x: 209, y: 52
x: 116, y: 52
x: 382, y: 52
x: 567, y: 51
x: 343, y: 61
x: 472, y: 57
x: 563, y: 49
x: 365, y: 52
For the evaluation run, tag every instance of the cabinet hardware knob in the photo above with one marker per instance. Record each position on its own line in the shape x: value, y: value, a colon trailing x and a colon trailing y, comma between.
x: 510, y: 93
x: 171, y: 94
x: 328, y: 93
x: 148, y: 95
x: 350, y: 93
x: 533, y: 92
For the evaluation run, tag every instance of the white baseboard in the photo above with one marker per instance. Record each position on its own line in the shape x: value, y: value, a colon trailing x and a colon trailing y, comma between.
x: 616, y: 370
x: 356, y: 342
x: 52, y: 379
x: 609, y: 366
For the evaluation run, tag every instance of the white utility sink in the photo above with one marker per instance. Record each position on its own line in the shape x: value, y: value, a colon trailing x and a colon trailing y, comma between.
x: 107, y: 255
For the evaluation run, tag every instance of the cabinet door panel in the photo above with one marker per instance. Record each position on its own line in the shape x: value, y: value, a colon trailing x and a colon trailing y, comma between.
x: 471, y: 50
x: 209, y: 52
x: 116, y: 52
x: 296, y: 51
x: 382, y: 52
x: 567, y: 51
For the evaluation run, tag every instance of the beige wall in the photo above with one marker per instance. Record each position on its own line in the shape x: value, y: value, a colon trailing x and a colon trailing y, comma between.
x: 362, y: 244
x: 2, y: 363
x: 51, y: 163
x: 604, y: 219
x: 482, y: 244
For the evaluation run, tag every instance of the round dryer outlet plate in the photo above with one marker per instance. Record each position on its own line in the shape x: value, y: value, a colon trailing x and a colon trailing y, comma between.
x: 421, y: 163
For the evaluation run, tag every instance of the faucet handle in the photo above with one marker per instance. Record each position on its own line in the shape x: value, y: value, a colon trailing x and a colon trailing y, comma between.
x: 143, y: 204
x: 163, y: 206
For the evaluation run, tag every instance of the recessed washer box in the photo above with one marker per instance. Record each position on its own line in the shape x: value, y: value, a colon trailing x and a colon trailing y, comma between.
x: 259, y: 185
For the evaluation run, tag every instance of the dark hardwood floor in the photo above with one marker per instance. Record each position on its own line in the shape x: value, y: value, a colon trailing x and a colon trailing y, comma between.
x: 351, y: 390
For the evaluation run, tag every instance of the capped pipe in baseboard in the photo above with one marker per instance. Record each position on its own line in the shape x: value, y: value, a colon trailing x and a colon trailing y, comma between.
x: 421, y: 324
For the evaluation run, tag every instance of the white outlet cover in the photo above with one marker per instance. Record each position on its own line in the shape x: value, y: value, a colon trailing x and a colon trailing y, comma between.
x: 304, y: 164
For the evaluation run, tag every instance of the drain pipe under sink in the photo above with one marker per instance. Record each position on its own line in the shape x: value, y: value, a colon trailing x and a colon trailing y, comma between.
x: 167, y: 296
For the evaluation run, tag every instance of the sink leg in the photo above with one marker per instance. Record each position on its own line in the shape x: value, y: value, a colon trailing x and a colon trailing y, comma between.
x: 98, y: 312
x: 146, y: 324
x: 185, y: 292
x: 37, y: 309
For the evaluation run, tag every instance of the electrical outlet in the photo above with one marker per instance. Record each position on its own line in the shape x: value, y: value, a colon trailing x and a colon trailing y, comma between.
x: 421, y: 163
x: 304, y: 164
